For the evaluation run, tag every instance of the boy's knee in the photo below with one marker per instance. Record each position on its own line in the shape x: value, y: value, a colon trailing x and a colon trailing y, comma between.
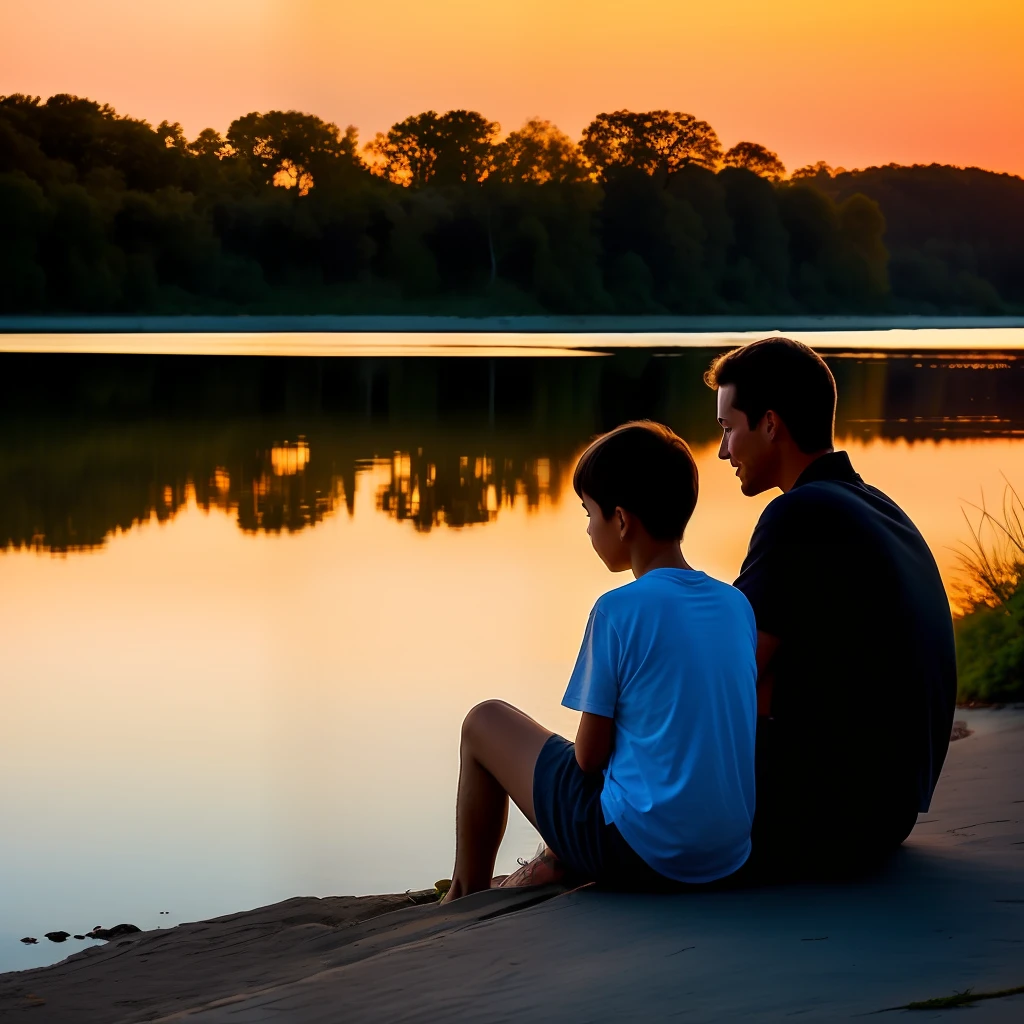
x: 482, y: 717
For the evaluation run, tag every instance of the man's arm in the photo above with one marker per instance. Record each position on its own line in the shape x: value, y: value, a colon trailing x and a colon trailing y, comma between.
x: 594, y: 741
x: 767, y: 645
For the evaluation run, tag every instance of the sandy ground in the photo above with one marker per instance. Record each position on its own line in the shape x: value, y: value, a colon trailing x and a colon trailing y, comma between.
x: 946, y: 915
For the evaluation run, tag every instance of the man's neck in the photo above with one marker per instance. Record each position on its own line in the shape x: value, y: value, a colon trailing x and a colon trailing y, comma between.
x: 794, y: 465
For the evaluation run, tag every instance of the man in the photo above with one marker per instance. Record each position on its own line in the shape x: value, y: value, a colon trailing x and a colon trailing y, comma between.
x: 856, y: 664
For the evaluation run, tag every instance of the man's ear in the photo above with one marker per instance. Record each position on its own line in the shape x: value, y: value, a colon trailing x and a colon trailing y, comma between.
x: 771, y: 425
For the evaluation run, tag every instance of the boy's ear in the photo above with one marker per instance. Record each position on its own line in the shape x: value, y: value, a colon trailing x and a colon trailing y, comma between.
x: 623, y: 520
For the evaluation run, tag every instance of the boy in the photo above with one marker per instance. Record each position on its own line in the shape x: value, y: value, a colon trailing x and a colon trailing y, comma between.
x: 658, y: 789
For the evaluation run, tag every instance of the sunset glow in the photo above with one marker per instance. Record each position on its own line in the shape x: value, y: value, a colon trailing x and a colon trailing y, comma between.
x: 854, y: 84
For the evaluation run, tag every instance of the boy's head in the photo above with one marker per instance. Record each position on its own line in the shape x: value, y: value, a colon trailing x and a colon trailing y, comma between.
x: 644, y: 469
x: 773, y: 394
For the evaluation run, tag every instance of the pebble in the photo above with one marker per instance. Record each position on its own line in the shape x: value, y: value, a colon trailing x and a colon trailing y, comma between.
x: 113, y: 933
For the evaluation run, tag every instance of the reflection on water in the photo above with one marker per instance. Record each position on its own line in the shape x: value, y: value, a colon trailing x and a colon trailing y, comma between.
x: 282, y: 583
x: 279, y: 444
x: 462, y: 490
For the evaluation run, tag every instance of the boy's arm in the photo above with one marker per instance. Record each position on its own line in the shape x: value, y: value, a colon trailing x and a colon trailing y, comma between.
x: 594, y: 741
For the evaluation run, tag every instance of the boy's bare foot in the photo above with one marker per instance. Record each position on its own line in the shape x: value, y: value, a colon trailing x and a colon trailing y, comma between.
x: 544, y: 869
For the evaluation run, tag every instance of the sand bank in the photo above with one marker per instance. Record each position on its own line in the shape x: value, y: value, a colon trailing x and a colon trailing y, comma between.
x: 947, y: 915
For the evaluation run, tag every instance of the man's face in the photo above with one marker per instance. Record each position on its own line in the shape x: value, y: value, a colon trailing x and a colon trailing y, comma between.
x: 748, y: 448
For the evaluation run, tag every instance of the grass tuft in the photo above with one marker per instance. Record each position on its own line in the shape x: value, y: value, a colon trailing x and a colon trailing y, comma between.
x: 966, y: 998
x: 990, y: 634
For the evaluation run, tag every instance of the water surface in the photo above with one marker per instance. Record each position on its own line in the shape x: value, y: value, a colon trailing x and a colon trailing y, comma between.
x: 246, y: 602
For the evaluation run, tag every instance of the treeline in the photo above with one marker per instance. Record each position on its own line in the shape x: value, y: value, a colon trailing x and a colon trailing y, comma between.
x: 645, y: 213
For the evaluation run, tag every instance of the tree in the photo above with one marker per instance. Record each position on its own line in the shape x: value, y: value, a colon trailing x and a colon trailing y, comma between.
x: 657, y: 141
x: 438, y: 149
x: 862, y: 226
x: 538, y: 153
x: 24, y: 218
x: 293, y: 149
x: 754, y: 157
x: 208, y: 145
x: 173, y: 135
x: 820, y: 170
x: 93, y: 138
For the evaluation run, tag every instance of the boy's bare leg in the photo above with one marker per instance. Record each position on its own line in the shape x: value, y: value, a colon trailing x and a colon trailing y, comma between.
x: 499, y: 751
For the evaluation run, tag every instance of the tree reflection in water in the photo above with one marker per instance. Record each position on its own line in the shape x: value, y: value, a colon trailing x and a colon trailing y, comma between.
x: 96, y: 444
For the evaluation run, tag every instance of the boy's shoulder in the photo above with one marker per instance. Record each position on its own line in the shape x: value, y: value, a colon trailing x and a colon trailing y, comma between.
x: 660, y: 585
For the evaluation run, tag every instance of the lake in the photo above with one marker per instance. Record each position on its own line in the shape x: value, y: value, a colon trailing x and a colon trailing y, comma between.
x: 247, y: 599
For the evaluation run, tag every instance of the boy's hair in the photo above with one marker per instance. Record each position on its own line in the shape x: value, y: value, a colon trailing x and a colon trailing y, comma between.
x: 787, y: 377
x: 646, y: 469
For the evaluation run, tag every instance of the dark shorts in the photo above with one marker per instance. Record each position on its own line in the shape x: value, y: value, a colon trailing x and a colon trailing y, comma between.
x: 567, y: 803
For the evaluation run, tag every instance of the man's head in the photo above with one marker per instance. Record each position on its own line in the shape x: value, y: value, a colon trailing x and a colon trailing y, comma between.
x: 638, y: 474
x: 777, y: 406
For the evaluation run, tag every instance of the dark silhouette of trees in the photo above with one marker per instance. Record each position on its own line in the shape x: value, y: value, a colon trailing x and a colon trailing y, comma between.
x: 292, y: 149
x: 438, y: 149
x: 656, y: 141
x: 954, y: 235
x: 752, y: 156
x: 208, y: 145
x: 539, y: 153
x: 819, y: 172
x: 105, y: 213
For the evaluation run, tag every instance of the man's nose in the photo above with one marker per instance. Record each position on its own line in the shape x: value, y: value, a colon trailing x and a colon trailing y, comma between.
x: 723, y: 448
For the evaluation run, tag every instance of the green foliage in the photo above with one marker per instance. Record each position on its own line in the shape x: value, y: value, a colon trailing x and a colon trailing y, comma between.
x: 990, y: 651
x: 105, y: 213
x: 990, y: 636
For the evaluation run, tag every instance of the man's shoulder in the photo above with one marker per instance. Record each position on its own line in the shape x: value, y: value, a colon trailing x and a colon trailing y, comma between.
x: 815, y: 503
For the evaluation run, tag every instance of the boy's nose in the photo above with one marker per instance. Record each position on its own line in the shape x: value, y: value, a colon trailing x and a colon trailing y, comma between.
x: 723, y: 448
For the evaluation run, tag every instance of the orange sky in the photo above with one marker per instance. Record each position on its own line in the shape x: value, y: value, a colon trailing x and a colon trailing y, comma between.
x: 853, y: 83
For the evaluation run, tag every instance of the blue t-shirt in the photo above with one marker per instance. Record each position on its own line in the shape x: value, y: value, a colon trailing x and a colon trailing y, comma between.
x: 670, y: 657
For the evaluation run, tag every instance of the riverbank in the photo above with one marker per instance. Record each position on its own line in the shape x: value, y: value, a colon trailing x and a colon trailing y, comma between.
x: 946, y: 916
x: 494, y: 324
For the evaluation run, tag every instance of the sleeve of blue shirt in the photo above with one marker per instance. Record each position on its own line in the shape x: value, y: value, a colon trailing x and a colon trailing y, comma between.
x: 594, y: 684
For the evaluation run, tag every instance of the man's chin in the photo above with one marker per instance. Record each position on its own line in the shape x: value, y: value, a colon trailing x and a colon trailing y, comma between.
x: 751, y: 488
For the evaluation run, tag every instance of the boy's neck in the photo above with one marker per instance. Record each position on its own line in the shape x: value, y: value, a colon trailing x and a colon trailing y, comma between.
x: 656, y: 555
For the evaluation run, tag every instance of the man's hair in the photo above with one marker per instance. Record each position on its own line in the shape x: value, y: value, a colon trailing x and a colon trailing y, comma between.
x: 786, y: 376
x: 646, y: 469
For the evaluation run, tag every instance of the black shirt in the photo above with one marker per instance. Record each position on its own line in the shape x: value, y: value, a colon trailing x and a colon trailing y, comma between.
x: 865, y: 671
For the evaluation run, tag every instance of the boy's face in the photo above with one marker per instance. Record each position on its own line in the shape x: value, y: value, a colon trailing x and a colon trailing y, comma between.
x: 607, y: 536
x: 749, y: 449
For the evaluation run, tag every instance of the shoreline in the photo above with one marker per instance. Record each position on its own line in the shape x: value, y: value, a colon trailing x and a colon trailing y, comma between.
x: 425, y: 324
x: 946, y: 915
